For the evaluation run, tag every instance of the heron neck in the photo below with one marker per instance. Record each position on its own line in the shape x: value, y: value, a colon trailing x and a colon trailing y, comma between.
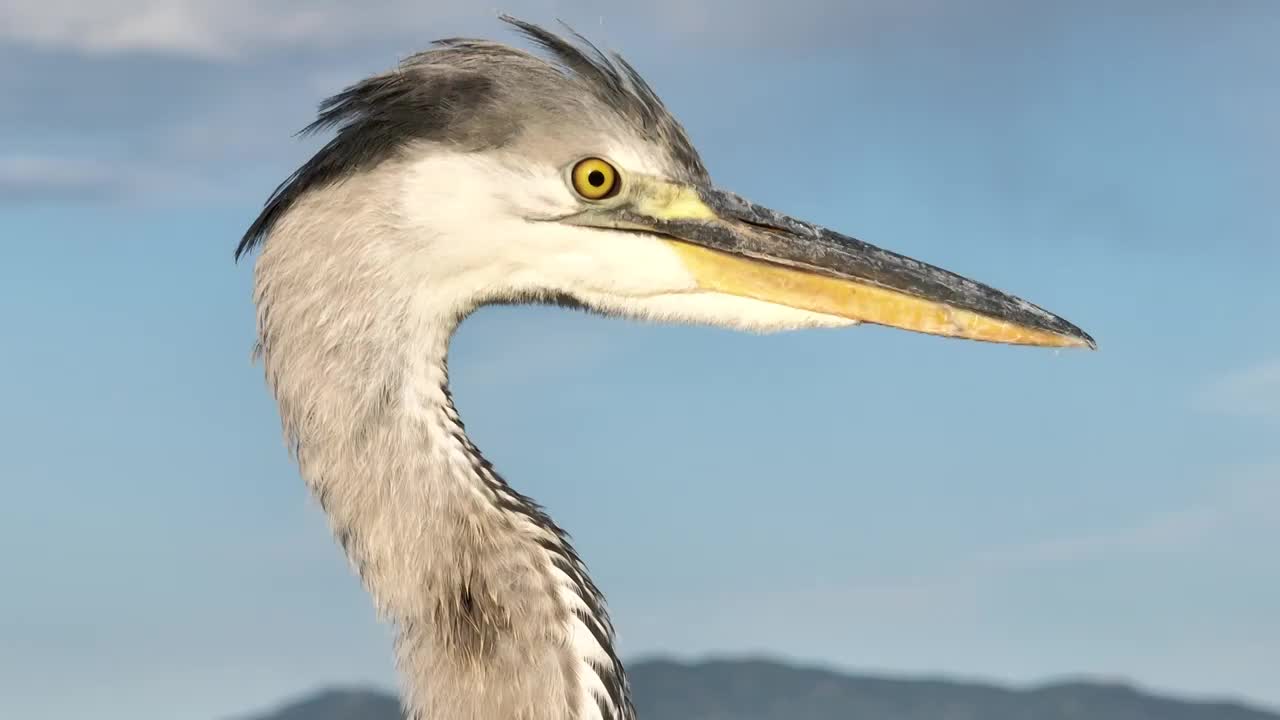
x: 495, y: 615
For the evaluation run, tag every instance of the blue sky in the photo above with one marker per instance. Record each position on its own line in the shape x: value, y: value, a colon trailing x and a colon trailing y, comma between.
x: 866, y: 499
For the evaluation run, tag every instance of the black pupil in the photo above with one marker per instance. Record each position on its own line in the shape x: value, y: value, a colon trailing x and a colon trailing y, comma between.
x: 596, y: 178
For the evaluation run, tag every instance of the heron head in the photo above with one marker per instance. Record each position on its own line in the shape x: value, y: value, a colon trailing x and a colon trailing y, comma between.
x: 499, y: 176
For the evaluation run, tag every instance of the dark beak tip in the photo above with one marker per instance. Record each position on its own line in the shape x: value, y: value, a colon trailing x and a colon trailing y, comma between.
x: 1076, y: 333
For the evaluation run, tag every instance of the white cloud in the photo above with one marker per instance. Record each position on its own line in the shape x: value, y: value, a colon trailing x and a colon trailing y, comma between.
x: 52, y: 178
x: 216, y: 28
x: 1159, y: 532
x: 1240, y: 496
x: 1251, y: 392
x: 230, y: 28
x: 31, y: 177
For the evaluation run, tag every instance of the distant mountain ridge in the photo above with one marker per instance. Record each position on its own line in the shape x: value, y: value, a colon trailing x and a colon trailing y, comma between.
x: 768, y: 690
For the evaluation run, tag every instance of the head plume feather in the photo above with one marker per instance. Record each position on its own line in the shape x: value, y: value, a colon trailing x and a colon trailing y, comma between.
x: 455, y: 93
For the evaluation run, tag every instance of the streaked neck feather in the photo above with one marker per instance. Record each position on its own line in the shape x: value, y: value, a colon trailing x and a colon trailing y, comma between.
x: 495, y: 614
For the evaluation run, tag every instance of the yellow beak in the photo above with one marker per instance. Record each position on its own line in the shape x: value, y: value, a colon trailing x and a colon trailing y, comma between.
x: 735, y: 247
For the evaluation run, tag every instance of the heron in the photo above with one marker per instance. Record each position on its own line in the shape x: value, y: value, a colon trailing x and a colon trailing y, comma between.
x: 477, y: 173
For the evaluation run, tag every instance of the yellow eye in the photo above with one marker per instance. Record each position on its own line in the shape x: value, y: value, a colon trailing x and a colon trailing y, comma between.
x: 595, y: 179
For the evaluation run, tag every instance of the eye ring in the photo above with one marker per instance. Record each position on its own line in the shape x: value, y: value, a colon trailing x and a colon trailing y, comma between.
x: 594, y: 178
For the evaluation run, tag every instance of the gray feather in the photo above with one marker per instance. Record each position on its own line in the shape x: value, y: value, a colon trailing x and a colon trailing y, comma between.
x: 475, y: 95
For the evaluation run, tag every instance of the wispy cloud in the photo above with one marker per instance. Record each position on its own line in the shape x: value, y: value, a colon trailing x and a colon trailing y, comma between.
x: 1251, y: 392
x: 33, y: 179
x: 206, y: 28
x: 235, y: 28
x: 1159, y: 532
x: 1240, y: 495
x: 231, y: 28
x: 59, y: 179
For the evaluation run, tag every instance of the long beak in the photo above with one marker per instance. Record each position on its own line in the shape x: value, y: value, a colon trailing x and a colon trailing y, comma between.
x: 737, y: 247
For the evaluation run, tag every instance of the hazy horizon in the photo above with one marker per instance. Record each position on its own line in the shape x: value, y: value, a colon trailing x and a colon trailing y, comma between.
x: 389, y: 685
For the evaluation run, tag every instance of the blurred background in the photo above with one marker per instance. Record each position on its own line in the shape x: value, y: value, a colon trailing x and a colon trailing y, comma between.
x: 865, y: 500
